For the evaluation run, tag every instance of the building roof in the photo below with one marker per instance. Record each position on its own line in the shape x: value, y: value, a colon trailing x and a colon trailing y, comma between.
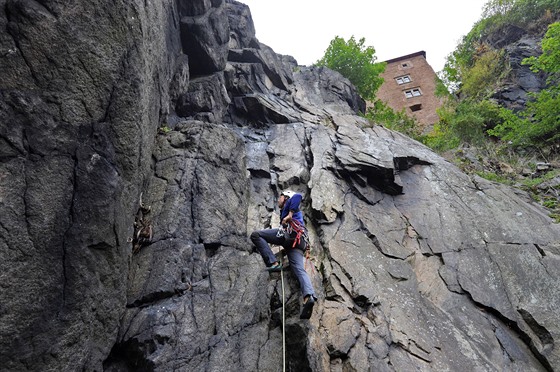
x: 417, y: 54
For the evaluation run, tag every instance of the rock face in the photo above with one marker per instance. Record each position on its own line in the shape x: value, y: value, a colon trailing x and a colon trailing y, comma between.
x: 518, y: 44
x: 166, y: 128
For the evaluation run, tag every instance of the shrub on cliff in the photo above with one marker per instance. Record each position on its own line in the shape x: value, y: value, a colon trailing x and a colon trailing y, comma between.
x: 540, y: 121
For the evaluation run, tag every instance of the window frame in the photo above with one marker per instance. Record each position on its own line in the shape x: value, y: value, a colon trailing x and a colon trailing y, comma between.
x: 410, y: 93
x: 402, y: 78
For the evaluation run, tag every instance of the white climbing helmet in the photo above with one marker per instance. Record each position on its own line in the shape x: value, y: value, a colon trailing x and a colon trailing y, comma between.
x: 288, y: 193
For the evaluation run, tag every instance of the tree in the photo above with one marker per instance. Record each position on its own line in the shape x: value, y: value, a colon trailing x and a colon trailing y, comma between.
x: 356, y: 62
x: 494, y: 7
x: 545, y: 109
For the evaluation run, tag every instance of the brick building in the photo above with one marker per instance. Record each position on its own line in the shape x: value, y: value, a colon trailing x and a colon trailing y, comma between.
x: 410, y: 84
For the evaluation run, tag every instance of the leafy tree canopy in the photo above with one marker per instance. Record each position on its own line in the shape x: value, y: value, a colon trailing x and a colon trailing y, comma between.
x: 356, y: 62
x: 549, y: 60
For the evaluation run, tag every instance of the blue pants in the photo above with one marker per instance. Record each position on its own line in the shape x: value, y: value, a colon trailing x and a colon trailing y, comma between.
x: 261, y: 238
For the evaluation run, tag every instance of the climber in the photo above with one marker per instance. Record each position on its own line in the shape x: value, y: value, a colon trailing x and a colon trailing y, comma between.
x: 293, y: 243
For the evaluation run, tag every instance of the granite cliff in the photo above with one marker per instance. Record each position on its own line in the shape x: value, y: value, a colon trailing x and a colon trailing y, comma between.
x: 140, y: 144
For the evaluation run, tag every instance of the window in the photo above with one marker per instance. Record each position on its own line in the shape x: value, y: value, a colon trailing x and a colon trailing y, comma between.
x: 404, y: 65
x: 412, y: 93
x: 403, y: 79
x: 415, y: 108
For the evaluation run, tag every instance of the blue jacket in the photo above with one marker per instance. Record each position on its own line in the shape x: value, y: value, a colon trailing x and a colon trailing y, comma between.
x: 292, y: 204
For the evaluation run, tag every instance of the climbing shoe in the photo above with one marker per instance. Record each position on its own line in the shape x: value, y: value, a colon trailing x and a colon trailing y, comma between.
x: 307, y: 307
x: 275, y: 267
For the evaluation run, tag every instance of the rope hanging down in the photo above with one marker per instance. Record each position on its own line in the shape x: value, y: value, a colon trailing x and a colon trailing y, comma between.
x: 283, y: 323
x: 301, y: 232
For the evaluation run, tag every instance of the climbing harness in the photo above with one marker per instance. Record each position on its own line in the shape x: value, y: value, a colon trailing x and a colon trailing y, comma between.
x: 297, y: 227
x: 301, y: 232
x: 294, y: 227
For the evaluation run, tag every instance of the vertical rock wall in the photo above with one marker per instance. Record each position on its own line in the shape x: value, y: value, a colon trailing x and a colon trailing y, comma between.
x: 83, y: 90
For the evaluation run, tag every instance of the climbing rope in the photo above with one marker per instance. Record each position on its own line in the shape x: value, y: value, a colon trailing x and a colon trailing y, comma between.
x: 283, y: 323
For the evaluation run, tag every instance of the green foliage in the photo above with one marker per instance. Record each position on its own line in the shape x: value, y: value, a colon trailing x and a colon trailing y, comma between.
x: 463, y: 122
x: 544, y: 112
x: 540, y: 121
x: 549, y: 60
x: 484, y: 74
x: 441, y: 89
x: 491, y: 176
x: 517, y: 12
x: 382, y: 114
x: 462, y: 58
x: 550, y: 203
x: 441, y: 138
x: 549, y: 199
x: 164, y: 129
x: 497, y: 7
x: 356, y: 62
x: 511, y: 129
x: 497, y: 14
x: 474, y: 69
x: 531, y: 183
x: 469, y: 122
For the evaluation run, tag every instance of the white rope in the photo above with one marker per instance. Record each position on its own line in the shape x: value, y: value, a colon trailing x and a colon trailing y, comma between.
x: 283, y: 323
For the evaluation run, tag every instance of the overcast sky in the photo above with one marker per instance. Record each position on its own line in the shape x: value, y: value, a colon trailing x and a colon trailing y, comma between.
x: 304, y: 28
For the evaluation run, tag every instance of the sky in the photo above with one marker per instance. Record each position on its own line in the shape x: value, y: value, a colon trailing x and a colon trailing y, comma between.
x: 304, y: 28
